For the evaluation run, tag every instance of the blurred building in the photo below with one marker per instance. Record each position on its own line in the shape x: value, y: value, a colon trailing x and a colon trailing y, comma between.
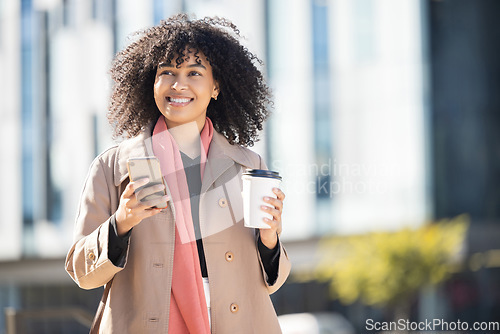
x: 385, y: 115
x: 465, y: 104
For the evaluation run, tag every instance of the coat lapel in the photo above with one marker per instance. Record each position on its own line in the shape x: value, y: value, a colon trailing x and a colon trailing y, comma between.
x: 221, y: 157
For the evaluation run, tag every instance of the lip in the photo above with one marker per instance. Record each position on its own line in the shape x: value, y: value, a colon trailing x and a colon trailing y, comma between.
x: 179, y: 101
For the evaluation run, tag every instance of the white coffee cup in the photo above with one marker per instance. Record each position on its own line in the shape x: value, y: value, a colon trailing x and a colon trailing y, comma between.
x: 258, y: 183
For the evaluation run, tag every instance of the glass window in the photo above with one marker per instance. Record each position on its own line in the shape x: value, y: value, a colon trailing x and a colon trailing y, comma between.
x: 27, y: 110
x: 322, y: 108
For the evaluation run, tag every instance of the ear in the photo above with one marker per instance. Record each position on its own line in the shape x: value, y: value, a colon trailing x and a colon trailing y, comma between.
x: 215, y: 91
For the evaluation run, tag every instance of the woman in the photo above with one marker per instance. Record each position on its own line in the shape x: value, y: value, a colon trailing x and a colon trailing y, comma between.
x: 188, y: 93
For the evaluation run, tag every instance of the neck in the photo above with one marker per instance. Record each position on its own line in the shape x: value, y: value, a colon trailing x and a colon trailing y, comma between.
x: 187, y: 137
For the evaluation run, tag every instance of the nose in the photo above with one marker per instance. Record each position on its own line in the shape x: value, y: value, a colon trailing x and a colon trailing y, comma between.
x: 179, y: 84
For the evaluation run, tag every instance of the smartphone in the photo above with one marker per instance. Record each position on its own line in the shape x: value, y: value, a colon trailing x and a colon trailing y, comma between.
x: 149, y: 167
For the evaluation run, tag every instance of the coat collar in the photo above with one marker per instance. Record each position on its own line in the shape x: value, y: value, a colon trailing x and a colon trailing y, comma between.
x: 221, y: 156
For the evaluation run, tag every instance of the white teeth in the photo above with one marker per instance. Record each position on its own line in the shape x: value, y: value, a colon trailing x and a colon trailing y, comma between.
x: 179, y: 100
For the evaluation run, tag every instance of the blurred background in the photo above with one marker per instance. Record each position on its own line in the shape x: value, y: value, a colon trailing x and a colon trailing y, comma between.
x: 386, y: 130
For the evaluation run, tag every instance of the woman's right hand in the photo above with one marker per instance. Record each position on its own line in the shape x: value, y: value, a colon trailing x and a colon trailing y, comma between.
x: 132, y: 211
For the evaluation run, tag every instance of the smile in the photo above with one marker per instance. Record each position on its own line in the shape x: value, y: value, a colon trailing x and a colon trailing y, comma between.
x: 179, y: 101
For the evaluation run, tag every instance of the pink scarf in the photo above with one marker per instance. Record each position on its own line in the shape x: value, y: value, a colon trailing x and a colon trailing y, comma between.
x: 188, y: 309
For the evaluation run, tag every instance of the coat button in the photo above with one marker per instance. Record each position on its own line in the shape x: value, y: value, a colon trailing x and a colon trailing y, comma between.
x: 229, y: 256
x: 234, y: 307
x: 91, y: 256
x: 222, y: 202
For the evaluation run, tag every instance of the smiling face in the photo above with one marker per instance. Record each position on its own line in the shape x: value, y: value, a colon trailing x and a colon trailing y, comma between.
x: 182, y: 93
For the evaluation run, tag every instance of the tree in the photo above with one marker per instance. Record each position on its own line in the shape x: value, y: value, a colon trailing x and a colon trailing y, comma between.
x: 388, y: 268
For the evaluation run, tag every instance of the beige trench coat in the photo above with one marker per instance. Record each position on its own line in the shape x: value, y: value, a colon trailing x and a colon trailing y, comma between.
x: 139, y: 297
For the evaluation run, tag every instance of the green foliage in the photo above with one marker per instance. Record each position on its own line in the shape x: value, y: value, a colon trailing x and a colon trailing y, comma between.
x: 387, y: 268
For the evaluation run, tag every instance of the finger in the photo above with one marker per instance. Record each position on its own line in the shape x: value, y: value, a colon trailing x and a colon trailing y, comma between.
x: 275, y: 213
x: 279, y: 193
x: 140, y: 211
x: 132, y: 186
x: 149, y: 213
x: 129, y: 190
x: 134, y: 207
x: 271, y: 222
x: 144, y: 192
x: 140, y: 183
x: 159, y: 202
x: 274, y: 202
x: 127, y: 202
x: 275, y: 227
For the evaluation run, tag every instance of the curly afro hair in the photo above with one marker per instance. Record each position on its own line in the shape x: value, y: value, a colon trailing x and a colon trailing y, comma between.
x: 241, y: 106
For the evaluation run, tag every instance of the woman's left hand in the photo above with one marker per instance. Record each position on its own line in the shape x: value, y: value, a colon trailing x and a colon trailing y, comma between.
x: 269, y: 237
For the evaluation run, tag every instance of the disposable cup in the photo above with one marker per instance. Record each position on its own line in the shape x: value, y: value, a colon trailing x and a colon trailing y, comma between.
x: 258, y: 183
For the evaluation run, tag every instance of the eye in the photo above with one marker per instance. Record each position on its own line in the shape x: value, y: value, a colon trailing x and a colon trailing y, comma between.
x: 166, y: 72
x: 194, y: 74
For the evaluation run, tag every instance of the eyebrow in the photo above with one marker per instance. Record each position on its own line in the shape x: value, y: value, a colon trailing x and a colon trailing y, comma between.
x: 189, y: 66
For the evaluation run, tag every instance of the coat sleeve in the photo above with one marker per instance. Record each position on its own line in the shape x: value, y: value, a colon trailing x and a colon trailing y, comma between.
x: 87, y: 261
x: 284, y: 267
x: 284, y: 264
